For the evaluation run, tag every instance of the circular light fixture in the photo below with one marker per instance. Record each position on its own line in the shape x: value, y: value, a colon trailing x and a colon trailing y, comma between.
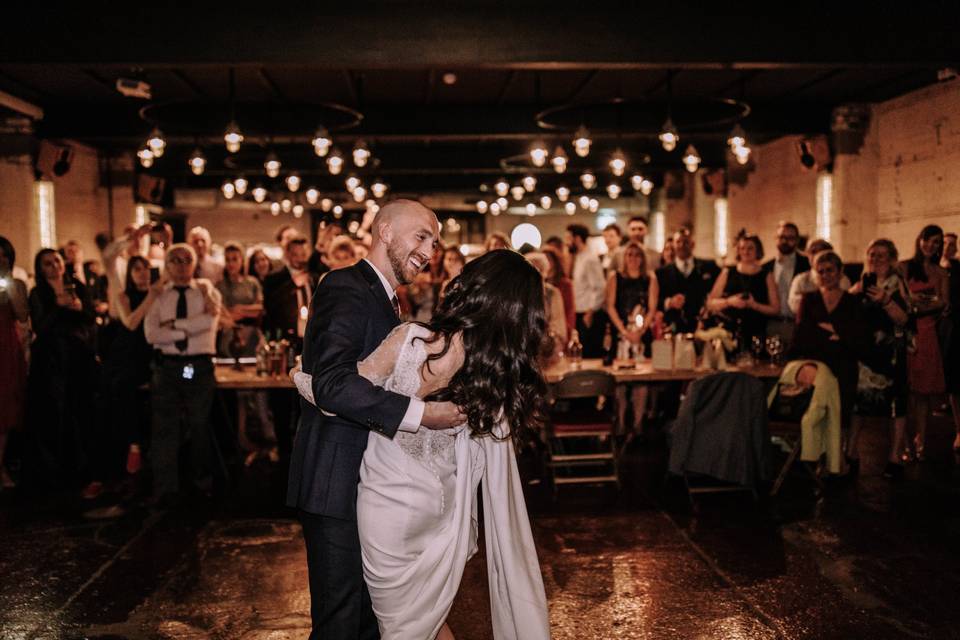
x: 538, y: 153
x: 335, y: 162
x: 618, y: 163
x: 321, y: 142
x: 517, y: 192
x: 272, y: 165
x: 312, y: 195
x: 360, y: 153
x: 293, y: 182
x: 582, y: 142
x: 559, y: 160
x: 228, y: 190
x: 563, y: 193
x: 502, y: 187
x: 275, y: 208
x: 588, y: 180
x: 378, y: 188
x: 146, y: 156
x: 197, y: 162
x: 240, y: 184
x: 691, y: 159
x: 669, y: 136
x: 259, y: 194
x: 570, y: 208
x: 232, y: 137
x: 526, y: 233
x: 326, y: 204
x: 482, y: 206
x: 613, y: 190
x: 529, y: 182
x: 156, y: 142
x: 546, y: 202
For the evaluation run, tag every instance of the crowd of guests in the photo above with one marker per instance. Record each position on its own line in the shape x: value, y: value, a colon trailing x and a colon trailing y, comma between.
x: 109, y: 361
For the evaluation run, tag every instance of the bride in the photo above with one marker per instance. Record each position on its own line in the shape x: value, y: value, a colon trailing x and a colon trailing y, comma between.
x: 416, y: 504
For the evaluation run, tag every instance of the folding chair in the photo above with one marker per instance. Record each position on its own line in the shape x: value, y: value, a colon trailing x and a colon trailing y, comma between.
x: 789, y: 433
x: 581, y: 437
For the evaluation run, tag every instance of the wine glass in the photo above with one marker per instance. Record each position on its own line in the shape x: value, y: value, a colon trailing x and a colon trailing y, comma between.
x: 756, y: 347
x: 775, y: 348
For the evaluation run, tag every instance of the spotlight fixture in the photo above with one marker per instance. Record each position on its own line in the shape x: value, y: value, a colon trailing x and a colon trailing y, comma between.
x: 286, y: 204
x: 352, y: 182
x: 272, y: 165
x: 482, y: 206
x: 502, y: 187
x: 531, y: 208
x: 240, y: 184
x: 297, y: 210
x: 197, y: 162
x: 503, y: 202
x: 613, y: 190
x: 232, y: 137
x: 618, y: 163
x: 538, y: 153
x: 584, y: 202
x: 546, y: 202
x: 360, y: 153
x: 494, y: 209
x: 321, y: 142
x: 582, y: 142
x: 156, y: 142
x: 228, y: 190
x: 335, y: 162
x: 691, y: 159
x: 588, y: 180
x: 259, y: 194
x: 275, y: 208
x: 669, y: 136
x: 312, y: 195
x: 326, y: 204
x: 146, y: 156
x: 529, y: 182
x: 378, y: 188
x: 738, y: 137
x: 563, y: 193
x: 517, y: 192
x: 570, y: 208
x: 293, y: 182
x: 559, y: 160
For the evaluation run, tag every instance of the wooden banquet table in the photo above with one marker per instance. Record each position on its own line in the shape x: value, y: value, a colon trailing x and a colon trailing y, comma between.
x: 247, y: 379
x: 630, y: 371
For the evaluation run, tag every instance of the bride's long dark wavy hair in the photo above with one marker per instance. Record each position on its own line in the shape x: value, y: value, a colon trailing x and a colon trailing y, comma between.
x: 496, y: 304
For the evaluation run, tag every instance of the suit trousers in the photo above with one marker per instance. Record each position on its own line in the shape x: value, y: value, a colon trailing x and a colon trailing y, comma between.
x: 340, y: 605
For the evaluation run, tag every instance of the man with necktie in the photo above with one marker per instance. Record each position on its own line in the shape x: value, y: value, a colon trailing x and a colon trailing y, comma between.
x: 684, y: 284
x: 182, y: 327
x: 787, y: 264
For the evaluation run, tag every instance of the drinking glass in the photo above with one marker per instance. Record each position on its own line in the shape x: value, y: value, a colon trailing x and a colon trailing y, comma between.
x: 775, y: 348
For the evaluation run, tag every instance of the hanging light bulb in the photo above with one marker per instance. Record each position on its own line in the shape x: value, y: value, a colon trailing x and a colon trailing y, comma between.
x: 228, y: 190
x: 669, y: 136
x: 584, y: 202
x: 502, y: 187
x: 482, y: 206
x: 359, y: 194
x: 272, y: 165
x: 636, y: 180
x: 517, y: 192
x: 197, y: 162
x: 738, y: 137
x: 531, y: 208
x: 646, y: 186
x: 259, y: 194
x: 563, y: 193
x: 335, y: 161
x: 275, y: 208
x: 240, y: 184
x: 360, y: 153
x: 559, y: 160
x: 588, y: 180
x: 293, y: 182
x: 691, y: 159
x: 286, y: 204
x: 146, y: 157
x: 618, y: 163
x: 546, y: 202
x: 613, y: 190
x: 742, y: 153
x: 494, y: 209
x: 503, y: 202
x: 538, y: 153
x: 232, y: 137
x: 337, y: 211
x: 594, y: 205
x: 529, y: 182
x: 570, y: 208
x: 321, y: 142
x: 312, y: 195
x: 156, y: 142
x: 582, y: 142
x: 326, y: 204
x: 297, y: 210
x: 352, y: 182
x: 378, y: 188
x: 372, y: 207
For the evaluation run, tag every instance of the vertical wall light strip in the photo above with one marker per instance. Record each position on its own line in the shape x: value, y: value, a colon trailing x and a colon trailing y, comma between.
x: 824, y: 205
x: 140, y: 215
x: 720, y: 225
x: 45, y: 211
x: 658, y: 225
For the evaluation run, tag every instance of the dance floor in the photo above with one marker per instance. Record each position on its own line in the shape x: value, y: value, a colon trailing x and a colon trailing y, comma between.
x: 874, y: 559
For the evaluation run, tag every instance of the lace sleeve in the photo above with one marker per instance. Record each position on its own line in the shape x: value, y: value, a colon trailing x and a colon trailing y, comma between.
x: 378, y: 366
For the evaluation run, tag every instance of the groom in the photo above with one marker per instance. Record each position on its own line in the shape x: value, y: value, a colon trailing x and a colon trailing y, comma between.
x: 352, y: 311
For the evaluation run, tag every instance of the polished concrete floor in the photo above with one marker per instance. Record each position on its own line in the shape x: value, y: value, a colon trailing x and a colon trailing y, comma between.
x: 873, y: 559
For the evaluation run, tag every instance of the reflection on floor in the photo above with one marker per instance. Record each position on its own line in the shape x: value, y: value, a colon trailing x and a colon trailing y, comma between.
x: 873, y: 559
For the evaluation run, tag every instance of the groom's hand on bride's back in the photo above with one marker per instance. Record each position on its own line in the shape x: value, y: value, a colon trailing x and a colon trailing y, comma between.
x: 441, y: 415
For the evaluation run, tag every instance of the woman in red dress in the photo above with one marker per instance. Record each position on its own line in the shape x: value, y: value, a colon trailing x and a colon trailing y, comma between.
x: 927, y: 282
x: 13, y: 365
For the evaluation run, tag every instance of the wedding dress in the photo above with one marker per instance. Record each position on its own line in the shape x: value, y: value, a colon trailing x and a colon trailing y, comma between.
x: 417, y: 514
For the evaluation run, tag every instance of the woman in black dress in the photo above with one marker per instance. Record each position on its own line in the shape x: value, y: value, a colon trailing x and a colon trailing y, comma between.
x: 744, y: 296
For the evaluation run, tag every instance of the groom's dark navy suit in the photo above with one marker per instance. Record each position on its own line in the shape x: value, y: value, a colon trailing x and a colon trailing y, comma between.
x: 350, y: 317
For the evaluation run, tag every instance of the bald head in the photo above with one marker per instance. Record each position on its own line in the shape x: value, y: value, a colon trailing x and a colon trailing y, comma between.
x: 405, y: 235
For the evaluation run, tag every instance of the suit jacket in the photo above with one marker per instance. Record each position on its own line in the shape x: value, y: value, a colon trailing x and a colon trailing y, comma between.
x: 802, y: 264
x: 280, y: 304
x: 695, y: 287
x: 350, y: 317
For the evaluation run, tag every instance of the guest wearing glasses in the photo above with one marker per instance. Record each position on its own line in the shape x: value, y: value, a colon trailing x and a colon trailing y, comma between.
x: 787, y: 264
x: 182, y: 326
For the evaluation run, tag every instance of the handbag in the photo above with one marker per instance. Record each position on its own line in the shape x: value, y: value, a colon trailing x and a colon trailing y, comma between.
x: 790, y: 402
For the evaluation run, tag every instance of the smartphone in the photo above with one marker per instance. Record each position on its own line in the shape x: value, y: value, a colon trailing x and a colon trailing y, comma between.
x: 869, y: 280
x: 154, y: 274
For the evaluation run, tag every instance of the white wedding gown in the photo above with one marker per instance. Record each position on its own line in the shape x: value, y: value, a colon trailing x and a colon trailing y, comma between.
x: 417, y: 515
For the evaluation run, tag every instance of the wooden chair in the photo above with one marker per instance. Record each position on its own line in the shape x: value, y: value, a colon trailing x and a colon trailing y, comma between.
x: 790, y: 433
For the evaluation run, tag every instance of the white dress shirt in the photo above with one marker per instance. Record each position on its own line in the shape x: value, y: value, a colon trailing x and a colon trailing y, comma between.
x: 210, y: 268
x: 685, y: 266
x: 413, y: 416
x: 589, y: 285
x: 199, y: 328
x: 784, y: 268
